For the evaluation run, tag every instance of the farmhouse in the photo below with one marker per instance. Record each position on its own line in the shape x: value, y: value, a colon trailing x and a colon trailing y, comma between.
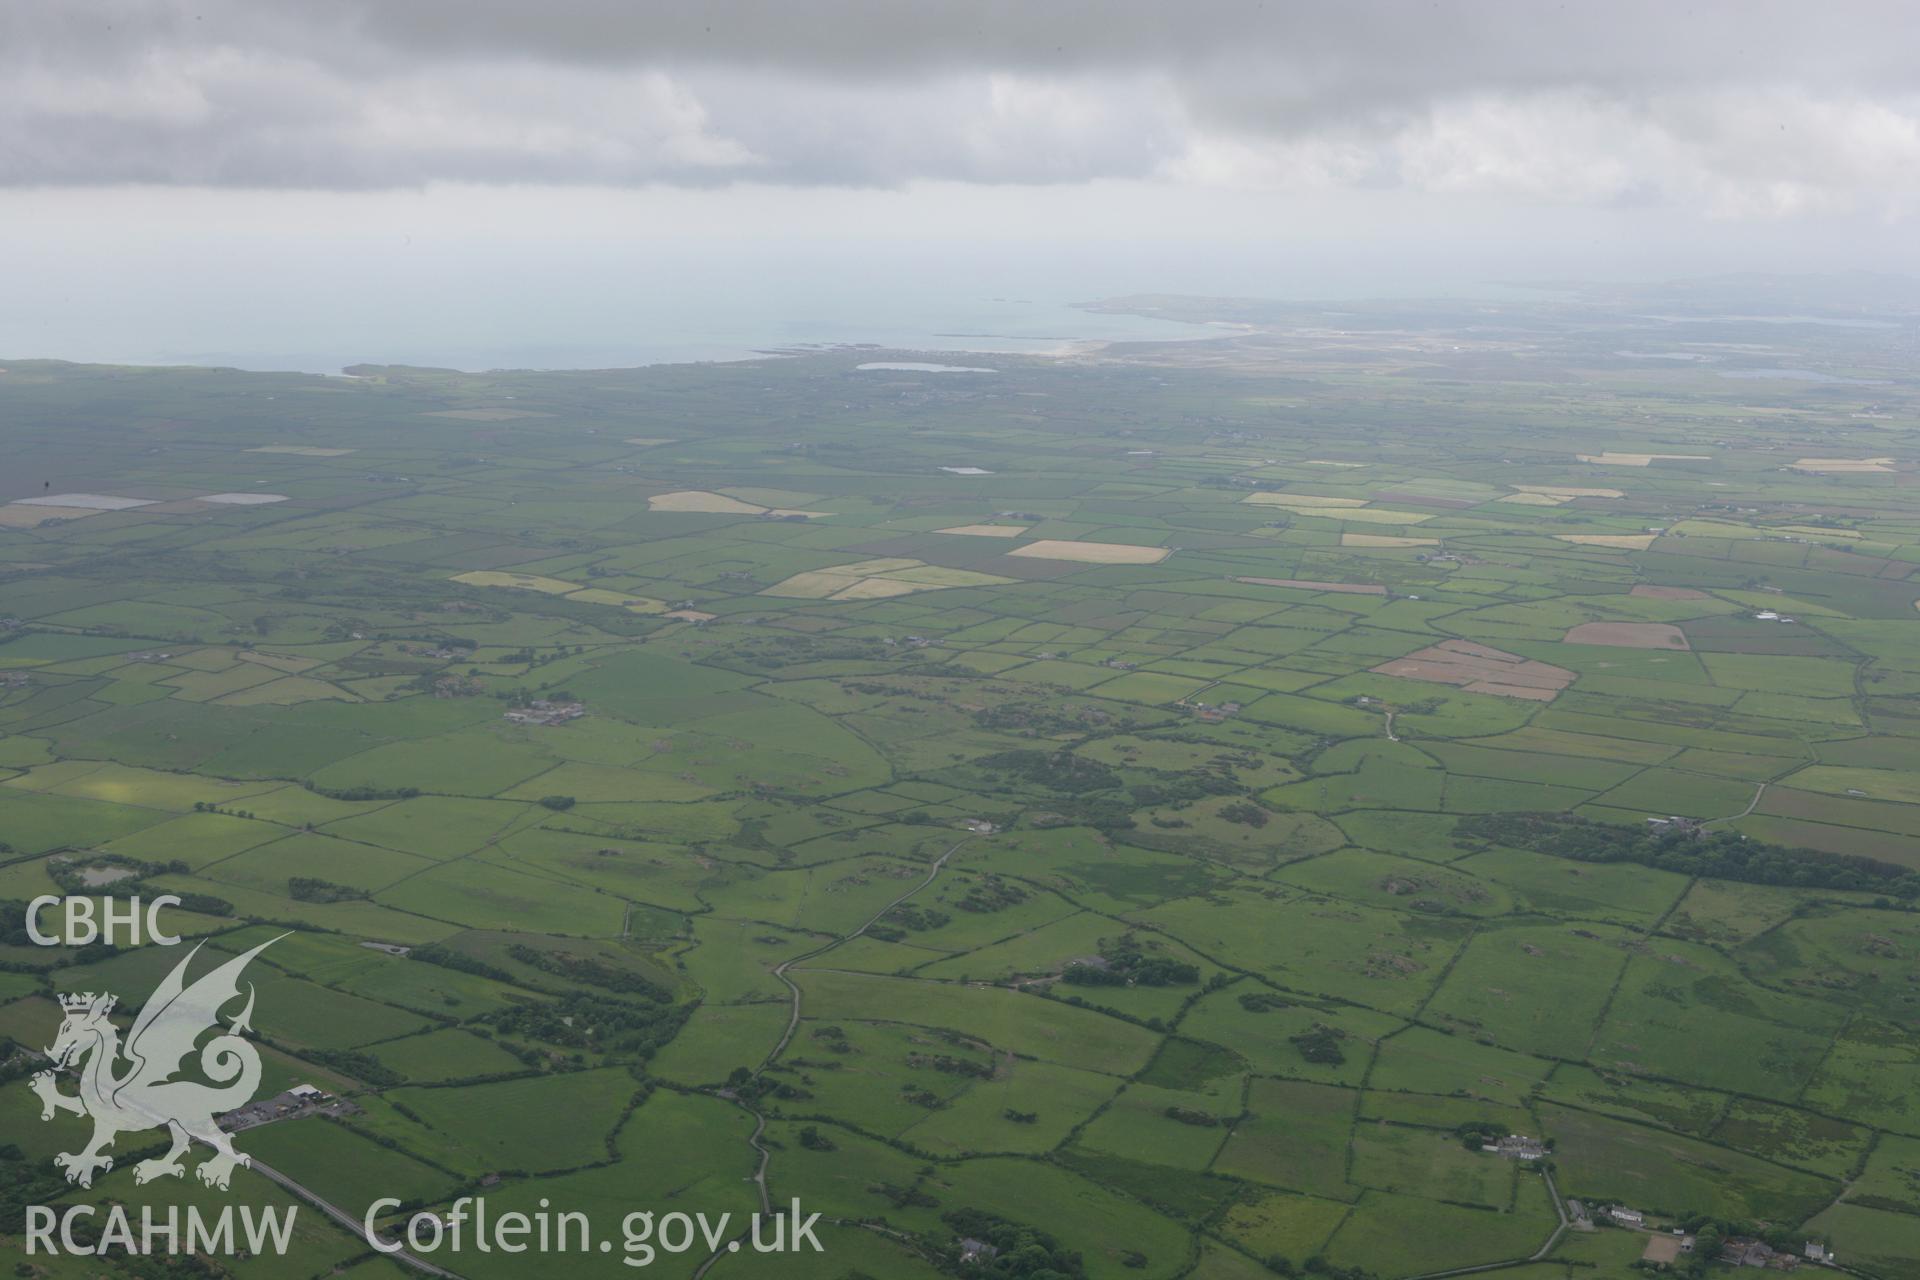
x: 979, y: 1251
x: 1626, y: 1217
x: 1518, y: 1146
x: 1743, y: 1251
x: 541, y: 711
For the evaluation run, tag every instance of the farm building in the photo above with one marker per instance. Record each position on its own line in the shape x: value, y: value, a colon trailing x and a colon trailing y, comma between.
x: 540, y: 711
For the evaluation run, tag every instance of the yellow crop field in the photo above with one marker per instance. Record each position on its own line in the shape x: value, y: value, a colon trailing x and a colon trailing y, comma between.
x: 1092, y: 552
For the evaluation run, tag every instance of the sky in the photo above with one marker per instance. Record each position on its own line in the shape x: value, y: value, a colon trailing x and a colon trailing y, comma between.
x: 231, y: 176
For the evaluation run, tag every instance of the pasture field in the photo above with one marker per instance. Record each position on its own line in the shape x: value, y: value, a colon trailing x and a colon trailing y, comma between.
x: 1380, y: 1235
x: 1681, y: 1108
x: 1434, y: 1112
x: 1887, y: 1243
x: 1279, y: 1223
x: 1420, y: 1060
x: 1156, y: 798
x: 1294, y: 1136
x: 1267, y: 1029
x: 1529, y: 986
x: 447, y: 1054
x: 1665, y: 1002
x: 1163, y: 1126
x: 1675, y: 1175
x: 1623, y: 893
x: 345, y: 1167
x: 1815, y: 1142
x: 1429, y: 1163
x: 719, y: 1038
x: 478, y: 896
x: 1887, y: 1178
x: 983, y: 1120
x: 1383, y: 880
x: 547, y: 1122
x: 1021, y: 1024
x: 273, y: 866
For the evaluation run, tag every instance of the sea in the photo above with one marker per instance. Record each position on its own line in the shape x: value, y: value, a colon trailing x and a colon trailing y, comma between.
x: 263, y: 307
x: 477, y: 320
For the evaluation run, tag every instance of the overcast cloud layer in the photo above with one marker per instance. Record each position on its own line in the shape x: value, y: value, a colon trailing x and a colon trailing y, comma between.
x: 1736, y: 110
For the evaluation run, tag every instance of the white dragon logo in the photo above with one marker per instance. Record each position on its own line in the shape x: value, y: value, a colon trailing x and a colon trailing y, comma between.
x: 144, y: 1095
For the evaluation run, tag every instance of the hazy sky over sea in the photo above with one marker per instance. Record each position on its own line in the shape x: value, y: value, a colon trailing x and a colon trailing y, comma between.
x: 367, y: 179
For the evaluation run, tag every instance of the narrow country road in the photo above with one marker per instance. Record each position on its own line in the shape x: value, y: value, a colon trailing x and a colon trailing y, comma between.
x: 354, y: 1226
x: 780, y: 970
x: 1559, y: 1207
x: 1758, y: 791
x: 793, y: 1023
x: 345, y: 1219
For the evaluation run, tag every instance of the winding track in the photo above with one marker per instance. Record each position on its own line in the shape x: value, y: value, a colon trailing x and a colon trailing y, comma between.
x: 793, y: 1023
x: 1758, y: 791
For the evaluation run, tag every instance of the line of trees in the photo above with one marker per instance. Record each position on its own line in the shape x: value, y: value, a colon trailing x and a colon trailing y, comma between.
x: 1719, y: 855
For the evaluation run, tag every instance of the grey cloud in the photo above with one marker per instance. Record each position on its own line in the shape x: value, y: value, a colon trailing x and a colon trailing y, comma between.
x: 1771, y: 106
x: 1510, y: 43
